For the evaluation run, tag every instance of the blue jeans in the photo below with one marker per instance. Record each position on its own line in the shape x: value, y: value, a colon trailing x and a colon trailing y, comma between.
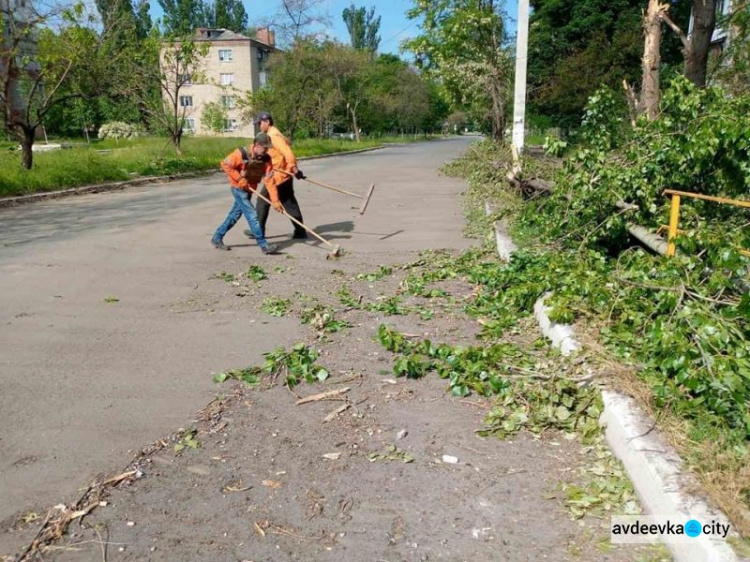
x: 242, y: 206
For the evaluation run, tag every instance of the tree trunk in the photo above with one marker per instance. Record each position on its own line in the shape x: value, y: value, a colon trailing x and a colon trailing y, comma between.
x: 498, y: 108
x: 696, y: 54
x: 354, y: 123
x: 27, y: 144
x: 177, y: 141
x: 650, y: 91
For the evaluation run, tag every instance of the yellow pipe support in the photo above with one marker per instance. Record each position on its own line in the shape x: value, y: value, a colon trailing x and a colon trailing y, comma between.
x: 724, y: 200
x: 674, y: 218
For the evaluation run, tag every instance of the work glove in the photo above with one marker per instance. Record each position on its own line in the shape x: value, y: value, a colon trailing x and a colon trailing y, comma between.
x: 277, y: 206
x: 299, y: 175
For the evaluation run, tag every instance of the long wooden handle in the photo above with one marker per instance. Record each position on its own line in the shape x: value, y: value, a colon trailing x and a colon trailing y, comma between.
x: 295, y: 221
x: 321, y: 184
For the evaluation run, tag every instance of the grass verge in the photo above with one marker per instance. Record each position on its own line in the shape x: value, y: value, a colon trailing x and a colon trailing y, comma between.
x: 111, y: 161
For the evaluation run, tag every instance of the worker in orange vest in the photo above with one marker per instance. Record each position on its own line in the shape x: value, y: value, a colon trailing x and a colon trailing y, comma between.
x: 283, y: 159
x: 245, y: 170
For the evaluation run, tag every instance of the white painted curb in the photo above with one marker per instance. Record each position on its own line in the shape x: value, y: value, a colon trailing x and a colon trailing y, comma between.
x: 653, y: 467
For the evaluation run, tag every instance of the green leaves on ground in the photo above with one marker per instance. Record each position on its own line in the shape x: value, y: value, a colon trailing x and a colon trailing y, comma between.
x: 294, y: 365
x: 256, y: 273
x: 224, y: 276
x: 392, y: 453
x: 383, y: 271
x: 189, y: 440
x: 527, y: 400
x: 275, y: 306
x: 323, y: 320
x: 607, y: 489
x: 250, y: 375
x: 536, y: 406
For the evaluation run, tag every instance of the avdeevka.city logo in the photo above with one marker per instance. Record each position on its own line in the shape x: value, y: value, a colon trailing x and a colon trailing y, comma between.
x: 631, y: 529
x: 694, y: 528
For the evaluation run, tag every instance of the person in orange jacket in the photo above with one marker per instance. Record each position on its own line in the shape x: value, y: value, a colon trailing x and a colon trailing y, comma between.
x: 283, y: 159
x: 245, y: 169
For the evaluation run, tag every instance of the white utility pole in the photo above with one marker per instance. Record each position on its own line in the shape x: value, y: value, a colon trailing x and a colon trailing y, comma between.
x: 522, y: 56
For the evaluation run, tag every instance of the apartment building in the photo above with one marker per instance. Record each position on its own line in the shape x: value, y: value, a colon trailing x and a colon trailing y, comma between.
x: 235, y: 64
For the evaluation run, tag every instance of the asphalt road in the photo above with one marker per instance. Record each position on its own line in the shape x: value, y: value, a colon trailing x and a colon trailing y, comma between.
x: 85, y: 379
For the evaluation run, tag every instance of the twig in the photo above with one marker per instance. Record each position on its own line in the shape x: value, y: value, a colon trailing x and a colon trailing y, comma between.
x: 336, y: 412
x: 282, y: 531
x: 102, y: 545
x: 323, y: 396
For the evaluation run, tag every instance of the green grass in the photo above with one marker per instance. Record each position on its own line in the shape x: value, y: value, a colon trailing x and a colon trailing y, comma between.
x: 149, y: 156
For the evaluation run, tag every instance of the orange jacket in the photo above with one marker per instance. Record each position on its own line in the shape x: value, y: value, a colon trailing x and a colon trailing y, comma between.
x: 235, y: 166
x: 281, y: 154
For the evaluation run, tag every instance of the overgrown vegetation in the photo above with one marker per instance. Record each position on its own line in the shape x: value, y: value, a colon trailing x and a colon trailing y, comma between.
x: 682, y: 323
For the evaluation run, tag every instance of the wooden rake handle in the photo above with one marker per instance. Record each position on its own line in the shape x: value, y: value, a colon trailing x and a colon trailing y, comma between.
x: 295, y: 221
x: 321, y: 184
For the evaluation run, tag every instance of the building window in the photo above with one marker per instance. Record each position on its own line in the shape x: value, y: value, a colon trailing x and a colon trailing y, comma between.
x: 230, y: 125
x: 226, y: 79
x: 228, y: 102
x: 225, y: 55
x: 189, y: 125
x: 186, y: 101
x: 263, y: 77
x: 185, y: 79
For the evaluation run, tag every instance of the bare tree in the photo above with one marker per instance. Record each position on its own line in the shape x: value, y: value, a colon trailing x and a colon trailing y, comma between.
x: 297, y: 20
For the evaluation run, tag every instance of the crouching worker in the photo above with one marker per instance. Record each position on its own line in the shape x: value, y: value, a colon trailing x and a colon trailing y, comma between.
x: 246, y: 169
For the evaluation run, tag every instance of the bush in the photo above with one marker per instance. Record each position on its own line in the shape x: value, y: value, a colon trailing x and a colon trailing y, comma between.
x: 118, y: 130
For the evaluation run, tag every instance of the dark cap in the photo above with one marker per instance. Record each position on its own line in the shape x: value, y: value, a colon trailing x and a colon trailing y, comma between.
x: 262, y: 116
x: 263, y: 139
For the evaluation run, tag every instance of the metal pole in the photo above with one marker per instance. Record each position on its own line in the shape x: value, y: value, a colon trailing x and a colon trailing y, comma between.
x: 522, y: 50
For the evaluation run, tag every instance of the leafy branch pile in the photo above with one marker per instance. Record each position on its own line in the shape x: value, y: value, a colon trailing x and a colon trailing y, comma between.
x: 684, y: 322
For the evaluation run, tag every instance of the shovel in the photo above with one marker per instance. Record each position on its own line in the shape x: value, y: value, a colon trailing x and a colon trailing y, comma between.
x: 366, y: 198
x: 335, y: 248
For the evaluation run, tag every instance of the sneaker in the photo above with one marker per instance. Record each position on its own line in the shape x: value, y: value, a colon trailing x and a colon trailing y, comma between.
x: 219, y: 245
x: 249, y: 234
x: 300, y: 235
x: 270, y: 250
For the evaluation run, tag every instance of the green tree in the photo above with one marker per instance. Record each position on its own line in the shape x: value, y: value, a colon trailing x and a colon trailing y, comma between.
x: 214, y: 117
x: 462, y: 42
x: 363, y: 27
x: 293, y: 93
x: 41, y: 69
x: 226, y: 14
x: 181, y: 17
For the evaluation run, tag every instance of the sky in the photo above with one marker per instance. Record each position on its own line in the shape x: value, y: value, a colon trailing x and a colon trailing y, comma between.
x: 395, y: 27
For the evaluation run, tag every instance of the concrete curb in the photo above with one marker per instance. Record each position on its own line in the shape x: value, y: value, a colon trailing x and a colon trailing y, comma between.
x: 115, y: 186
x: 653, y: 467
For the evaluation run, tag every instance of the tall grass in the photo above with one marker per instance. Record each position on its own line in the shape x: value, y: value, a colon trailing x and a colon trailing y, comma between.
x: 111, y: 160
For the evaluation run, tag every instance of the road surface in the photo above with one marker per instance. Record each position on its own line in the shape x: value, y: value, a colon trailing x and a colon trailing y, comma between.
x: 105, y: 344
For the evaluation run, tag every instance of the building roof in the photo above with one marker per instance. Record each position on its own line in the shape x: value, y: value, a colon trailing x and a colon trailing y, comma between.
x: 204, y: 34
